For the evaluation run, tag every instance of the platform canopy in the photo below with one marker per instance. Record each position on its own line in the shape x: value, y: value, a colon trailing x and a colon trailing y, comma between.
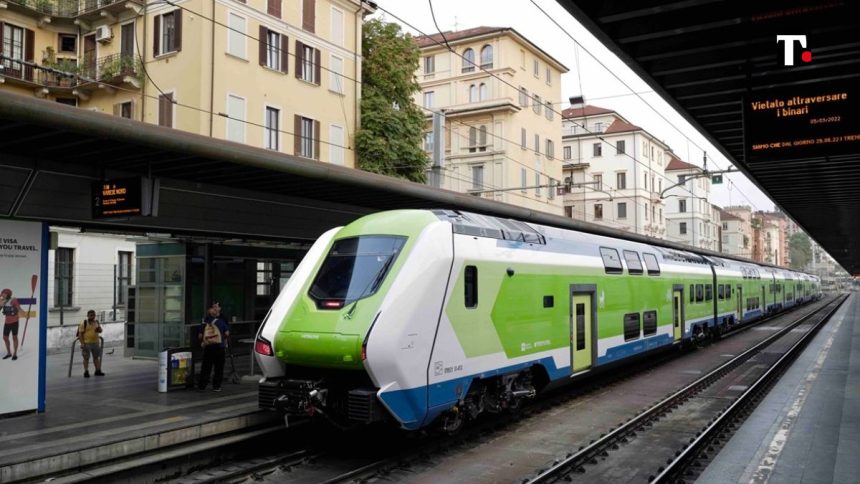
x: 785, y: 110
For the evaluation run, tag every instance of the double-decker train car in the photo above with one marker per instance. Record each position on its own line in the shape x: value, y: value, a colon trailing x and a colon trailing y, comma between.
x: 423, y: 317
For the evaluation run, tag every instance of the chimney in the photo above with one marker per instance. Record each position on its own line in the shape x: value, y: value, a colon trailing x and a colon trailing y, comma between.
x: 576, y: 101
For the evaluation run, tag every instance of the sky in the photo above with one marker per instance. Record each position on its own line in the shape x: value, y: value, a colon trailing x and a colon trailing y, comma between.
x: 595, y: 73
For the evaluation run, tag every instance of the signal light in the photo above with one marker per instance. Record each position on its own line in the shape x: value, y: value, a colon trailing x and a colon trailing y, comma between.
x: 263, y: 347
x: 364, y: 352
x: 332, y: 304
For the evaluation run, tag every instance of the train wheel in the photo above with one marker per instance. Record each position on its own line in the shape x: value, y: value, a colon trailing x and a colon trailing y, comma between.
x: 452, y: 421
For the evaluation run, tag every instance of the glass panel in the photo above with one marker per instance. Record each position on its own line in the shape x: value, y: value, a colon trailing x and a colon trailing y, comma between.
x: 580, y: 326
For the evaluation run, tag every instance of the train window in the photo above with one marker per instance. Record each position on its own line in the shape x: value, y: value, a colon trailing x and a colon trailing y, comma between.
x: 651, y: 264
x: 548, y: 301
x: 470, y: 287
x: 692, y: 293
x: 649, y: 323
x: 631, y: 326
x: 611, y: 261
x: 580, y: 326
x: 700, y: 293
x: 634, y: 264
x: 721, y: 292
x: 709, y: 292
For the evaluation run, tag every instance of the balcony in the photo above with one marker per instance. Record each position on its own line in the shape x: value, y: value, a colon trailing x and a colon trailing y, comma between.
x: 85, y: 10
x: 113, y: 69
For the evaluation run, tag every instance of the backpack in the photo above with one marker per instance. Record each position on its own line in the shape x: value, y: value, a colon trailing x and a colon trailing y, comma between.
x: 211, y: 333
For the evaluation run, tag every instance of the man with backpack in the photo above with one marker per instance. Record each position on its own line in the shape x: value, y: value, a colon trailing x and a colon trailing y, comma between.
x: 213, y: 335
x: 88, y: 335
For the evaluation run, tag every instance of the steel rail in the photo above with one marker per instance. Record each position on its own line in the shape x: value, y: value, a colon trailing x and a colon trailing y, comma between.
x: 574, y: 462
x: 679, y: 463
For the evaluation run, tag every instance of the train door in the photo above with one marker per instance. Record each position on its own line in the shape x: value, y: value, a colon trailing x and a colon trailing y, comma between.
x: 678, y: 312
x: 740, y: 312
x: 581, y: 330
x: 763, y: 304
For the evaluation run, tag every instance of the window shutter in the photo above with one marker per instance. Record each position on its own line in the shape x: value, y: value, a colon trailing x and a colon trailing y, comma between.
x: 317, y: 138
x: 161, y: 110
x: 178, y: 22
x: 297, y: 135
x: 117, y: 109
x: 275, y: 8
x: 1, y: 36
x: 285, y: 54
x: 317, y: 67
x: 263, y: 42
x: 29, y: 45
x: 309, y: 15
x: 300, y: 52
x: 134, y: 114
x: 156, y: 36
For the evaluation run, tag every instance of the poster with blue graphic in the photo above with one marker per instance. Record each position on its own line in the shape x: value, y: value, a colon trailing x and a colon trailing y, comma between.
x: 23, y: 266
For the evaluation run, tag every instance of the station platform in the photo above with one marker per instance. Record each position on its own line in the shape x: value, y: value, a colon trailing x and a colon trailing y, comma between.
x: 122, y: 415
x: 807, y: 429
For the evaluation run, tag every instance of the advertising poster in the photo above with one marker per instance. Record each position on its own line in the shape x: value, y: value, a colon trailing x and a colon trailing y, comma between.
x: 23, y: 265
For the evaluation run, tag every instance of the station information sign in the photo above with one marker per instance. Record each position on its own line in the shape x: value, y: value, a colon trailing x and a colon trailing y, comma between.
x: 123, y: 198
x: 802, y: 121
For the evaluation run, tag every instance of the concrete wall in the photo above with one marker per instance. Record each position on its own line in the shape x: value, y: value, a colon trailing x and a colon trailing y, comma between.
x: 60, y: 338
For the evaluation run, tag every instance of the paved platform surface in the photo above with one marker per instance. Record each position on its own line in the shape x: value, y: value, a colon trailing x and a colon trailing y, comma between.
x: 807, y: 430
x: 99, y: 418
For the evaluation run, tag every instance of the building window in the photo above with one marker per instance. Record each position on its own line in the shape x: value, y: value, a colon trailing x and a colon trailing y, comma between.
x: 165, y: 110
x: 123, y: 276
x: 473, y: 93
x: 619, y: 149
x: 307, y: 68
x: 598, y: 211
x: 429, y: 64
x: 273, y: 50
x: 64, y: 276
x: 273, y: 8
x: 428, y: 99
x: 548, y: 77
x: 537, y: 105
x: 235, y: 118
x: 523, y: 179
x: 622, y: 210
x: 550, y: 149
x: 682, y: 206
x: 568, y: 211
x: 428, y: 141
x: 552, y: 188
x: 482, y: 92
x: 682, y: 228
x: 125, y: 110
x: 68, y: 43
x: 236, y: 38
x: 336, y: 144
x: 477, y: 177
x: 550, y: 114
x: 168, y: 33
x: 537, y: 144
x: 336, y: 26
x: 487, y: 57
x: 524, y: 97
x: 621, y: 178
x: 336, y: 74
x: 482, y: 138
x: 473, y: 139
x: 652, y: 214
x: 598, y: 181
x: 468, y: 60
x: 272, y: 128
x: 307, y: 141
x: 536, y: 67
x: 523, y: 138
x: 598, y: 149
x: 537, y: 184
x: 566, y: 152
x: 309, y: 15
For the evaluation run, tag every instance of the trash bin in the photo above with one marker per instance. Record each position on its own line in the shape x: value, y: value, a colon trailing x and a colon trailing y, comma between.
x: 174, y: 369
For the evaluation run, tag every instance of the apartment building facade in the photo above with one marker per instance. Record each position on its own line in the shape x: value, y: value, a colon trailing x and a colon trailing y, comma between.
x: 690, y: 216
x: 280, y: 75
x: 500, y: 94
x: 735, y: 234
x: 614, y: 171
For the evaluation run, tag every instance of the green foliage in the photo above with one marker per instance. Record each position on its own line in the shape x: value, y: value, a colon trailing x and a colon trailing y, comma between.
x: 392, y: 126
x: 800, y: 250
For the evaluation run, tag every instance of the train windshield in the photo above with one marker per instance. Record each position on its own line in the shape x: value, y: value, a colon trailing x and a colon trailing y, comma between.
x: 354, y: 268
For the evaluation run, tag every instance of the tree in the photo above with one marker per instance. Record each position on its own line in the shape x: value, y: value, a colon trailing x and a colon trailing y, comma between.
x: 392, y: 126
x: 800, y: 250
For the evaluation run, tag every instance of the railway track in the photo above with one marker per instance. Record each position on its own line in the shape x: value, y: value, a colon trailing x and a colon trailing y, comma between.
x: 677, y: 435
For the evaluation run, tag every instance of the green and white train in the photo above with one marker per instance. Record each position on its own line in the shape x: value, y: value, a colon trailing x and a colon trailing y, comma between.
x: 432, y: 316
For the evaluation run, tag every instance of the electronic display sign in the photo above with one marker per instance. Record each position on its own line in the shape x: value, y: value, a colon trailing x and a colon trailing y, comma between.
x: 123, y: 198
x: 802, y: 121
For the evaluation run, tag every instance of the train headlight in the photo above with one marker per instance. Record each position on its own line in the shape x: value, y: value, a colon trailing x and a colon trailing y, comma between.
x: 263, y: 347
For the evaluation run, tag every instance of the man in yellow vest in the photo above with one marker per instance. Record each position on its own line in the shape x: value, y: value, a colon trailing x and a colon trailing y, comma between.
x: 88, y: 334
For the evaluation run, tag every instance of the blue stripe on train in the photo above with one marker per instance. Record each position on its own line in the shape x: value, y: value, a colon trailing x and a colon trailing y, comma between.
x: 634, y: 347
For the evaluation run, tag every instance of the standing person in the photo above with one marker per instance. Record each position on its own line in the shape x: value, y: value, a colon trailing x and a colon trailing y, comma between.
x: 12, y: 311
x: 213, y: 335
x: 88, y: 334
